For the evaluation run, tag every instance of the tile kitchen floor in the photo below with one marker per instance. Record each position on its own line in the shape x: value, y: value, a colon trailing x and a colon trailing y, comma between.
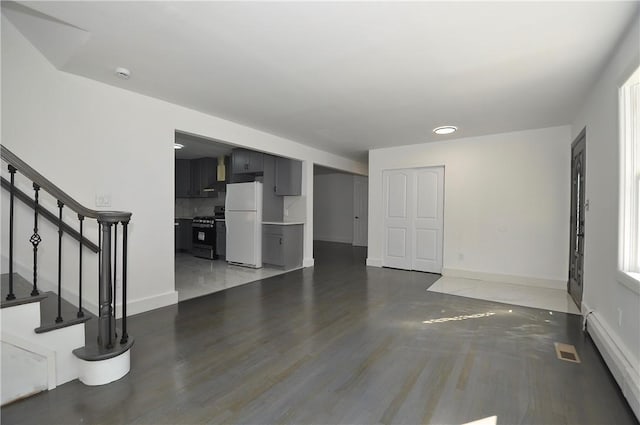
x: 196, y: 277
x: 528, y: 296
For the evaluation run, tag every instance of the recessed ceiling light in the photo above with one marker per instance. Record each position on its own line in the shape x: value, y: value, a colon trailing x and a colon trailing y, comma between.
x: 178, y: 146
x: 445, y: 129
x: 123, y: 73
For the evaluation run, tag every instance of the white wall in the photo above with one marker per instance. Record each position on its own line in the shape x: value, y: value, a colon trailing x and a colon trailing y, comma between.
x: 333, y: 207
x: 91, y: 138
x: 609, y: 299
x: 506, y: 206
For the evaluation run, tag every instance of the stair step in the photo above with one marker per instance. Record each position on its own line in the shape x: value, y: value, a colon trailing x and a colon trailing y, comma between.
x: 58, y: 325
x: 93, y: 352
x: 21, y: 289
x: 69, y: 312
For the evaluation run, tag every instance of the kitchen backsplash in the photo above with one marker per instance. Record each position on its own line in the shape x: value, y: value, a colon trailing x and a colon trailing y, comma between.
x: 192, y: 207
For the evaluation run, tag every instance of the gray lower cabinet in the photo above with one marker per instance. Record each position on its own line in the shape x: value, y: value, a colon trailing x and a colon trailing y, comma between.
x: 282, y: 245
x: 221, y: 239
x: 183, y: 235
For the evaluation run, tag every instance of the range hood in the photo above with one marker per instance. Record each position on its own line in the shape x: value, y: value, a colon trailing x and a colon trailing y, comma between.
x: 221, y: 170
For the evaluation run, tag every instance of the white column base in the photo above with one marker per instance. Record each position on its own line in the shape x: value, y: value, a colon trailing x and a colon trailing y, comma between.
x: 102, y: 372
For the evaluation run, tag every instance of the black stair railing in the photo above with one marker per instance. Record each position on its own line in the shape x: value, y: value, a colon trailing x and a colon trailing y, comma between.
x: 107, y: 252
x: 35, y: 239
x: 12, y: 172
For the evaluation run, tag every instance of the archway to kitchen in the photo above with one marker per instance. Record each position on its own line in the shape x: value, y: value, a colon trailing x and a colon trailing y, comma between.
x: 226, y: 210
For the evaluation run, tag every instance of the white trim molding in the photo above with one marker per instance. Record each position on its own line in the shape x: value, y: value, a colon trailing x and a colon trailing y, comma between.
x: 38, y: 349
x: 505, y: 278
x: 374, y: 262
x: 621, y: 363
x: 308, y: 262
x: 630, y: 280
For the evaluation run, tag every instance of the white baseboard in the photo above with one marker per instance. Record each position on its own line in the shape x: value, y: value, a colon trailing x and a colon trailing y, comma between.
x: 621, y: 363
x: 141, y: 305
x: 134, y: 306
x: 505, y: 278
x: 374, y: 262
x: 308, y: 262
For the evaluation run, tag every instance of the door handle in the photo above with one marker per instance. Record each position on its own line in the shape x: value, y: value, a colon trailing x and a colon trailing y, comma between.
x: 357, y: 217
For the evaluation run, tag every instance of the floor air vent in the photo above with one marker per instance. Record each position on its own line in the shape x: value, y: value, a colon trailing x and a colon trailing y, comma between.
x: 567, y: 352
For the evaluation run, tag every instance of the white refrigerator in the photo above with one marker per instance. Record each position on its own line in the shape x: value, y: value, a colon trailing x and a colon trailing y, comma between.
x: 243, y: 214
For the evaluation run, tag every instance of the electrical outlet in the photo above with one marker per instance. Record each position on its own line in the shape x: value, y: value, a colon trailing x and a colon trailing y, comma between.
x: 460, y: 256
x: 103, y: 200
x: 286, y: 212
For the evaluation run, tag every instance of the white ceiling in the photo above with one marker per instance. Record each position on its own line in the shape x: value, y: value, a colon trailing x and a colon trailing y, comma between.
x: 344, y: 77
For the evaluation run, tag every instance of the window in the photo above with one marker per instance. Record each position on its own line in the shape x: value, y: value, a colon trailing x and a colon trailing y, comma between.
x: 630, y: 175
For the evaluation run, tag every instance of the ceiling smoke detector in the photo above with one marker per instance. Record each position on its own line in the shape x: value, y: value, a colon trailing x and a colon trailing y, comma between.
x: 445, y: 129
x: 123, y: 73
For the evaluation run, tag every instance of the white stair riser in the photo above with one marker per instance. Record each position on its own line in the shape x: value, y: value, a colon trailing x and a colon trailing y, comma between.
x: 104, y: 371
x: 21, y: 319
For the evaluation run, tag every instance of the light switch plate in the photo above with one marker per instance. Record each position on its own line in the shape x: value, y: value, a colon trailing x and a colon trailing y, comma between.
x: 103, y: 200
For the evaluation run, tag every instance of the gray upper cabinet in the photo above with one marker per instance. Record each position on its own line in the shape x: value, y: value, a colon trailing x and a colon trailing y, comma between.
x: 288, y: 177
x: 246, y: 161
x: 183, y: 178
x: 197, y: 178
x: 272, y: 204
x: 205, y: 178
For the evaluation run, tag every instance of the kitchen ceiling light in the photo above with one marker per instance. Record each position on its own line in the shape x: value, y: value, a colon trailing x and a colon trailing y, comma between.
x: 445, y: 129
x: 178, y: 146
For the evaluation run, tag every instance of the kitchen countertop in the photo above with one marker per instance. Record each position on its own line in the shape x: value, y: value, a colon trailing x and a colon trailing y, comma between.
x: 283, y: 223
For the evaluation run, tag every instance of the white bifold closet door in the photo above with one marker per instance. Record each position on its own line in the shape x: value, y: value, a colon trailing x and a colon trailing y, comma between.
x: 413, y: 218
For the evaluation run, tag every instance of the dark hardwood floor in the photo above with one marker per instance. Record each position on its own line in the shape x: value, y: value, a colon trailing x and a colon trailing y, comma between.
x: 341, y: 343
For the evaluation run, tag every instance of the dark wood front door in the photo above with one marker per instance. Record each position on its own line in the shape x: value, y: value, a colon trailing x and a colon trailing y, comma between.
x: 576, y: 244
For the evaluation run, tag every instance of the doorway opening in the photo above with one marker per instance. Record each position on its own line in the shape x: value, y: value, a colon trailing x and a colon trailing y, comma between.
x: 340, y: 206
x: 205, y: 174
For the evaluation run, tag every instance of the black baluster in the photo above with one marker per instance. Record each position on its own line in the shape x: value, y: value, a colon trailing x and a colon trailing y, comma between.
x: 80, y: 312
x: 99, y: 272
x: 115, y: 268
x: 125, y: 336
x: 11, y: 295
x: 35, y: 240
x: 59, y: 318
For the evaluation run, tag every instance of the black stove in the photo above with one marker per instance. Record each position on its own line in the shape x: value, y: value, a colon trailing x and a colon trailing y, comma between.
x: 204, y: 221
x: 204, y: 234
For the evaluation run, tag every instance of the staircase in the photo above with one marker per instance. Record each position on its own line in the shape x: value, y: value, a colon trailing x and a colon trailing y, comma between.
x: 48, y: 340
